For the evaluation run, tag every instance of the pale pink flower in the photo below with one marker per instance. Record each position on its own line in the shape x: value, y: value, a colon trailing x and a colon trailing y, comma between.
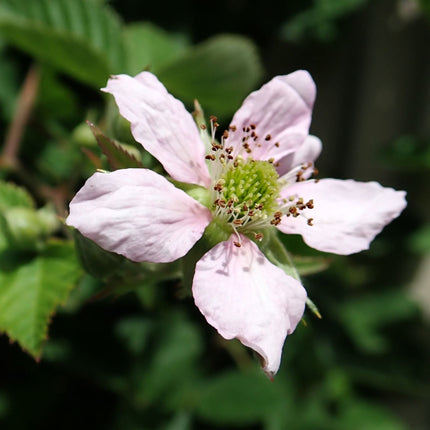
x: 256, y: 178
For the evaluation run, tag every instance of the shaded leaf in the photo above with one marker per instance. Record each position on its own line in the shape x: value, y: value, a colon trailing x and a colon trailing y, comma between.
x: 148, y: 47
x: 419, y: 242
x: 238, y: 398
x: 219, y: 73
x: 364, y: 317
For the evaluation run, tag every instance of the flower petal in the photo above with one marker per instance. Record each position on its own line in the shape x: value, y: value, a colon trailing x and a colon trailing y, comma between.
x: 245, y: 296
x: 282, y: 108
x: 308, y: 152
x: 162, y: 125
x: 347, y: 215
x: 139, y: 214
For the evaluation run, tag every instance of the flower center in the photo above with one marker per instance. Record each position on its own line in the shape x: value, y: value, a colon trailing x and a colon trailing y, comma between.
x: 246, y: 195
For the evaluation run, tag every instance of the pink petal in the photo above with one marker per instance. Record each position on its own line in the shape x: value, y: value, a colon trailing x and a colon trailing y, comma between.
x: 245, y: 296
x: 139, y: 214
x: 308, y: 152
x: 282, y: 108
x: 162, y: 125
x: 347, y: 215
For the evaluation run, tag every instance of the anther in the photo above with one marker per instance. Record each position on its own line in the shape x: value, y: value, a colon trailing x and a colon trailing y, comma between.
x: 202, y: 126
x: 237, y: 244
x: 277, y: 144
x: 225, y: 134
x: 233, y: 128
x: 268, y: 137
x: 210, y: 157
x: 310, y: 204
x: 310, y: 221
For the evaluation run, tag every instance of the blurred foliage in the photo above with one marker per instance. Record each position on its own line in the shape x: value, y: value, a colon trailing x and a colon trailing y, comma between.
x: 127, y: 349
x: 319, y: 20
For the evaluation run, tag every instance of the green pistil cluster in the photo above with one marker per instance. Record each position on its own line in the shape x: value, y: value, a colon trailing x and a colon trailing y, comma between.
x: 247, y: 193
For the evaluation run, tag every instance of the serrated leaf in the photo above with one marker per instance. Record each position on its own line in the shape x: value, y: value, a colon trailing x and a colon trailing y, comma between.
x: 31, y: 290
x: 149, y: 47
x: 12, y: 196
x: 79, y: 37
x: 219, y: 72
x: 118, y: 157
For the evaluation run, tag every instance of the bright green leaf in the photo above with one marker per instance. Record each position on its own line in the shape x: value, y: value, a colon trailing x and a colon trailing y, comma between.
x: 219, y: 73
x: 79, y: 37
x: 30, y: 291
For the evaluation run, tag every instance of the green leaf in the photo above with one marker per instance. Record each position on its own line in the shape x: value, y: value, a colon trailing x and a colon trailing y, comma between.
x: 150, y: 47
x: 419, y: 242
x: 31, y: 290
x: 81, y: 37
x: 173, y: 364
x: 219, y: 73
x: 118, y: 156
x: 364, y: 415
x: 238, y: 398
x: 12, y: 196
x: 365, y: 316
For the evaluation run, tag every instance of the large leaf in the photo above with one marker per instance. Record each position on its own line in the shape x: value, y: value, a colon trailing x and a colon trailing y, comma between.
x: 31, y: 290
x: 79, y: 37
x: 150, y: 47
x: 219, y: 73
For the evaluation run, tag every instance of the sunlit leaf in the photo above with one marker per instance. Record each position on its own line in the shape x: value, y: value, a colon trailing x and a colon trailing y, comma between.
x: 81, y: 37
x: 31, y: 290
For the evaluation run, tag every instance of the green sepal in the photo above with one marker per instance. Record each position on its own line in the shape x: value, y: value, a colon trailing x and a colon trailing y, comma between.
x: 275, y: 251
x: 118, y: 155
x: 213, y: 234
x: 120, y: 274
x: 95, y: 260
